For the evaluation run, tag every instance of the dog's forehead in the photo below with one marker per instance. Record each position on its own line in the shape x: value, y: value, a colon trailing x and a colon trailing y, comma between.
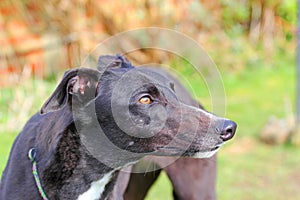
x: 158, y: 78
x: 124, y: 83
x: 136, y: 76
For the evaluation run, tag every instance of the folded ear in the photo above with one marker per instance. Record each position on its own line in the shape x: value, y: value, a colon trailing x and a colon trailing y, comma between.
x: 112, y: 61
x: 77, y: 86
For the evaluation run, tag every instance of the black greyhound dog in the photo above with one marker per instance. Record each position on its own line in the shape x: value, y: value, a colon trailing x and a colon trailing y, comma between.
x: 97, y: 122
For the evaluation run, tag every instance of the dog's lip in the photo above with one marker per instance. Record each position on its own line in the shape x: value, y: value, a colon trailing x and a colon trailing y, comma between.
x: 180, y: 150
x: 215, y: 148
x: 171, y: 150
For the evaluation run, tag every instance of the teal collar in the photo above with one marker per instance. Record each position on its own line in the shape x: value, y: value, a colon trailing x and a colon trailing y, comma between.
x: 32, y: 156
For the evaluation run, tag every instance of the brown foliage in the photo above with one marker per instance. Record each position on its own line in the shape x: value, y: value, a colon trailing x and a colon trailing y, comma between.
x: 29, y: 28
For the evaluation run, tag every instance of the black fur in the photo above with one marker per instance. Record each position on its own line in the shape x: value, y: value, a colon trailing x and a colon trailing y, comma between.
x: 65, y: 159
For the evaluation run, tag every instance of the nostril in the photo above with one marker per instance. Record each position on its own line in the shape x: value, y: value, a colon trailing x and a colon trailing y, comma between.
x: 227, y: 134
x: 228, y: 130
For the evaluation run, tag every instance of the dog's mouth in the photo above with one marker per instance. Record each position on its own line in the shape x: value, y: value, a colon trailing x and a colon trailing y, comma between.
x: 192, y: 153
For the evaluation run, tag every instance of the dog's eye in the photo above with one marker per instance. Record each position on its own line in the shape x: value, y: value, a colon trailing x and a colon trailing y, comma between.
x: 145, y: 100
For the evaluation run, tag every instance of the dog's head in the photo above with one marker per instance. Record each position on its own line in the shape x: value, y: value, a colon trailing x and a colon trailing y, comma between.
x: 137, y: 110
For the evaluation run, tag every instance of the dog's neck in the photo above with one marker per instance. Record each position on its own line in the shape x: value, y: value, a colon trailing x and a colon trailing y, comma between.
x: 73, y: 168
x: 90, y: 179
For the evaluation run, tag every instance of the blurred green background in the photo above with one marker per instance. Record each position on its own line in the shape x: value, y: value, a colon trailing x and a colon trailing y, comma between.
x: 252, y: 42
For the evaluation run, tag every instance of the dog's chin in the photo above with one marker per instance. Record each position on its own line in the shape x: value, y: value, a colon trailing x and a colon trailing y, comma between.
x: 206, y: 154
x: 175, y: 151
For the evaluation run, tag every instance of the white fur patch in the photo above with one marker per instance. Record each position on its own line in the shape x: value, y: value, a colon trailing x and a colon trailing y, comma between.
x: 96, y: 189
x: 207, y: 154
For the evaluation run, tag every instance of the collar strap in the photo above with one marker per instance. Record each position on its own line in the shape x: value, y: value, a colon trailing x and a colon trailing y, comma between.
x: 32, y: 158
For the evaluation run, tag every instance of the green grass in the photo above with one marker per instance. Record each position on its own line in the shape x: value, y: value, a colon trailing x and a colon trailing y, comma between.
x: 247, y: 168
x: 6, y: 142
x: 16, y: 106
x: 252, y: 170
x: 162, y: 189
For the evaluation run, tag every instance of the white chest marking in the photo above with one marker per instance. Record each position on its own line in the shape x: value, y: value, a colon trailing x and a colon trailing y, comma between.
x: 96, y: 189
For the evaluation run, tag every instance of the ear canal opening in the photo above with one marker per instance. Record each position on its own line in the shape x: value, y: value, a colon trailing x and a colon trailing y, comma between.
x: 84, y: 79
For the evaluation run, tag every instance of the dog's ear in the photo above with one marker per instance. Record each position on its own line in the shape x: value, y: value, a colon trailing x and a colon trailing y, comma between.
x: 112, y: 61
x: 77, y: 86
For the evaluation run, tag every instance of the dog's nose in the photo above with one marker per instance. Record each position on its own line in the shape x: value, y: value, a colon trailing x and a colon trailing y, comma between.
x: 228, y: 130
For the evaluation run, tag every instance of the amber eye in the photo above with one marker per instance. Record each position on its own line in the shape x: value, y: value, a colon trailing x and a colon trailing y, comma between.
x: 145, y: 100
